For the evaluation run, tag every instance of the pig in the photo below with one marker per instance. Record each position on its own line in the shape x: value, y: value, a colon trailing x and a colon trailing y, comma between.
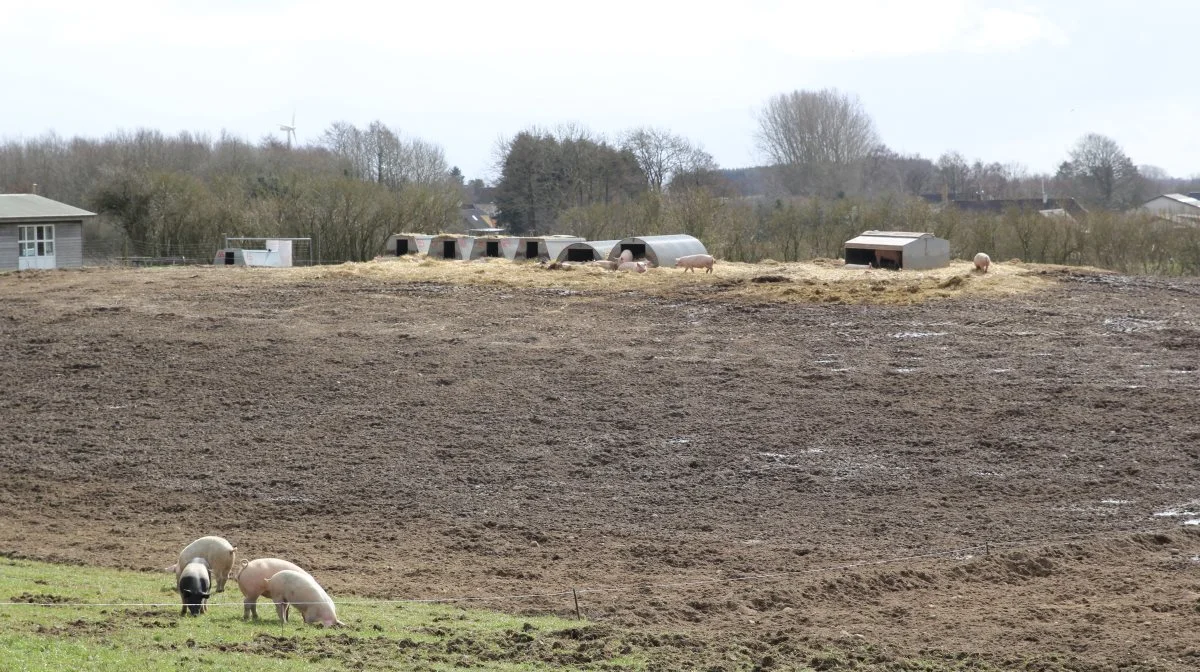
x: 219, y: 553
x: 291, y: 587
x: 694, y: 261
x: 193, y: 586
x: 982, y: 261
x: 639, y: 267
x: 626, y: 255
x: 890, y: 256
x: 252, y: 580
x: 606, y: 265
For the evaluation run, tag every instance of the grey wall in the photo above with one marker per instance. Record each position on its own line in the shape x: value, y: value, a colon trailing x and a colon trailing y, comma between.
x: 68, y: 244
x: 8, y: 247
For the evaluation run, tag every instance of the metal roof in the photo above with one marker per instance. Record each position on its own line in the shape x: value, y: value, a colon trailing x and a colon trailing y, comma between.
x: 26, y: 207
x: 897, y: 234
x: 879, y: 242
x: 662, y: 250
x: 603, y: 247
x: 886, y: 240
x: 1186, y: 200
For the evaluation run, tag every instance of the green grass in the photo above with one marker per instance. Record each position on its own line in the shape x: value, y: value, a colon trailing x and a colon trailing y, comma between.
x: 76, y: 635
x: 79, y: 633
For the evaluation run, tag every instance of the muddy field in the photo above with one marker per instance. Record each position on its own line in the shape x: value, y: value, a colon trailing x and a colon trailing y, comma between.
x: 1014, y: 477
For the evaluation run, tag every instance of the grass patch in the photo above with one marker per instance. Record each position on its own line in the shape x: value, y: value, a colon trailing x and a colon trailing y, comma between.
x: 75, y: 635
x: 105, y: 619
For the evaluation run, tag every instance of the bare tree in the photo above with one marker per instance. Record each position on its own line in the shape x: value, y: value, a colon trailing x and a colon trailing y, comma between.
x: 954, y: 172
x: 662, y: 154
x: 1102, y: 171
x: 380, y: 154
x: 817, y: 134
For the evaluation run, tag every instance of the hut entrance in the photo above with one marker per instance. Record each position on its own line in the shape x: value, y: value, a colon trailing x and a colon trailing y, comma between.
x: 579, y: 255
x: 230, y: 256
x: 890, y: 259
x: 531, y: 249
x: 493, y: 248
x: 448, y: 249
x: 638, y: 250
x: 401, y: 247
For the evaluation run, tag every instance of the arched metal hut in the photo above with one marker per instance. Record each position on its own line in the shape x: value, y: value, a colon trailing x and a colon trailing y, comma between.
x: 400, y: 244
x: 660, y: 251
x: 552, y: 246
x: 591, y: 250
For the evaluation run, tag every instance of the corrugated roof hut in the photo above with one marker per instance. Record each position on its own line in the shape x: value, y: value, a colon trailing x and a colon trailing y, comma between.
x: 898, y: 250
x: 590, y: 250
x: 660, y: 251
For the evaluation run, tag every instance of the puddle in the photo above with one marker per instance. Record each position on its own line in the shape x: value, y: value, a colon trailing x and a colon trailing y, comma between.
x: 1176, y: 513
x: 1116, y: 502
x: 777, y: 456
x: 1181, y: 371
x: 918, y: 334
x: 678, y: 441
x: 1001, y: 370
x: 903, y: 370
x: 825, y: 361
x: 841, y: 370
x: 1192, y: 521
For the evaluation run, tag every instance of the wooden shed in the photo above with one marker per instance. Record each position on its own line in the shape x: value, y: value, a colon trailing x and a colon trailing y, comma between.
x: 37, y: 232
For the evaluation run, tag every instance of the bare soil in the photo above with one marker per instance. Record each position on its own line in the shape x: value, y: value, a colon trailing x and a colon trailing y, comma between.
x: 999, y: 481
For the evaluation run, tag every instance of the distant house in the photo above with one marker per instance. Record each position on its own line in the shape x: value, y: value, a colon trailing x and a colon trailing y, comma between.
x: 36, y: 232
x: 1174, y: 207
x: 478, y: 219
x: 1172, y: 204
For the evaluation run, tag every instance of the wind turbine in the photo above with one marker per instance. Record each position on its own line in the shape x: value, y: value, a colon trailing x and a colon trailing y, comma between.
x: 289, y: 131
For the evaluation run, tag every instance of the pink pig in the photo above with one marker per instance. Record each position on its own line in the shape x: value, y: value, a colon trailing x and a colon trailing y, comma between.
x: 252, y: 579
x: 694, y: 261
x: 290, y: 587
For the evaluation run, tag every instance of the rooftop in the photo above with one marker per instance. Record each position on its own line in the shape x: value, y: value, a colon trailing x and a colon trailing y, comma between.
x: 25, y: 207
x: 1186, y: 200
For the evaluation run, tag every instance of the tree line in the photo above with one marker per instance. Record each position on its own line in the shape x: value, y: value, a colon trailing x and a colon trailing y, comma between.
x: 828, y: 176
x: 178, y: 196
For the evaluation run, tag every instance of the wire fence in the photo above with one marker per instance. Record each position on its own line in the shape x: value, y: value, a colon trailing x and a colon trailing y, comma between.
x: 960, y: 552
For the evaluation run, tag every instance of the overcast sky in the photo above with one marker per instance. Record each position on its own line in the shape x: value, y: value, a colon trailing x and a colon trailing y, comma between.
x: 1002, y: 81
